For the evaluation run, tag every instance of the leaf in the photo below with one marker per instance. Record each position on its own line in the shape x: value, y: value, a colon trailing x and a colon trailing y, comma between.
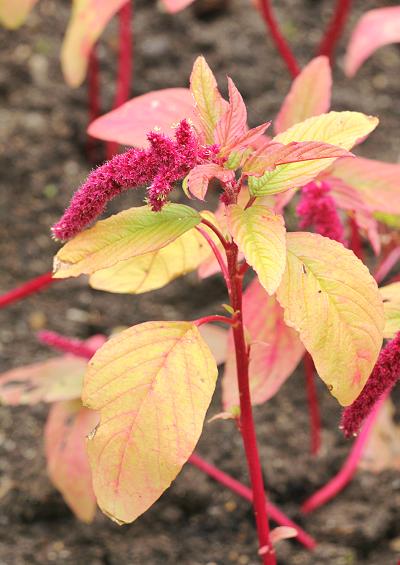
x: 130, y: 123
x: 375, y: 29
x: 210, y: 105
x: 174, y: 6
x: 260, y: 235
x: 66, y: 429
x: 59, y: 378
x: 382, y: 450
x: 309, y: 95
x: 233, y: 123
x: 199, y: 178
x: 156, y: 269
x: 391, y: 305
x: 377, y: 182
x: 274, y: 154
x: 87, y: 23
x: 13, y: 13
x: 128, y: 234
x: 342, y: 129
x: 152, y: 385
x: 331, y: 299
x: 275, y: 349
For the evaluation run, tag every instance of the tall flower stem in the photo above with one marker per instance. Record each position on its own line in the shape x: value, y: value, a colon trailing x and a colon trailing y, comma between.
x: 278, y: 38
x: 30, y: 287
x: 313, y: 407
x: 246, y: 422
x: 335, y: 28
x: 125, y: 65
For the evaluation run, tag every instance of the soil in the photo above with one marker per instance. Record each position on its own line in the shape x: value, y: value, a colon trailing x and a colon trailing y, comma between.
x: 43, y: 159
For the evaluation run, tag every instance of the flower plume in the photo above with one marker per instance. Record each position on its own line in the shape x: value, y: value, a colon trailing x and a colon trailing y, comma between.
x: 166, y: 161
x: 383, y: 378
x: 317, y: 208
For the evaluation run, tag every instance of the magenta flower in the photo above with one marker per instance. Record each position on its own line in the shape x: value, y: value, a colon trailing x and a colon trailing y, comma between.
x: 318, y: 209
x: 385, y: 375
x: 160, y: 166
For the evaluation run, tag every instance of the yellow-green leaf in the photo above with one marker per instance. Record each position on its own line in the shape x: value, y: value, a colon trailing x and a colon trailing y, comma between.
x: 87, y: 22
x: 210, y: 105
x: 152, y: 385
x: 156, y: 269
x: 260, y: 235
x: 342, y: 129
x: 391, y: 304
x: 128, y: 234
x: 331, y: 299
x: 13, y: 13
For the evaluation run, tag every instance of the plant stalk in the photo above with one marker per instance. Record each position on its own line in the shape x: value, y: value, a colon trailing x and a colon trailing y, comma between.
x: 30, y: 287
x: 334, y: 29
x: 246, y: 422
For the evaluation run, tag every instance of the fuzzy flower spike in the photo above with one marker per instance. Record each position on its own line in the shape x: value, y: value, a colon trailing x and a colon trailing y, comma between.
x: 385, y: 375
x: 166, y: 161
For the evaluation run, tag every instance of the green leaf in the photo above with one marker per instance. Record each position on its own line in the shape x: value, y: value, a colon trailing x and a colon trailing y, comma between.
x: 260, y: 235
x: 152, y: 385
x: 128, y: 234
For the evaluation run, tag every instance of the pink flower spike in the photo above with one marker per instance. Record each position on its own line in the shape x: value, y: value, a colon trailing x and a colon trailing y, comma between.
x: 385, y: 375
x: 317, y: 208
x: 163, y: 163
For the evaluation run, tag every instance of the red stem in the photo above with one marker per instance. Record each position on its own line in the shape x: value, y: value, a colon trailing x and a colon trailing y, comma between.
x: 26, y: 289
x: 66, y: 344
x: 346, y: 473
x: 225, y: 244
x: 335, y: 28
x: 208, y: 319
x: 246, y: 493
x: 277, y: 36
x: 246, y: 422
x: 125, y: 65
x: 93, y: 100
x: 355, y: 239
x: 218, y: 256
x: 313, y: 406
x: 387, y: 264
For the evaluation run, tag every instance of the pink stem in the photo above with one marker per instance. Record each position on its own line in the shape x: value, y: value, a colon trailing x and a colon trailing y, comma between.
x: 218, y: 256
x: 335, y: 28
x: 245, y: 492
x: 66, y: 344
x: 277, y: 36
x: 355, y: 239
x: 313, y: 406
x: 387, y: 264
x: 93, y: 100
x: 125, y: 65
x: 26, y: 289
x: 346, y: 473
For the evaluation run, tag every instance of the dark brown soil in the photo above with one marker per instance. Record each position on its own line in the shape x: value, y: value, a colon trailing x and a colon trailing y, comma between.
x: 42, y: 160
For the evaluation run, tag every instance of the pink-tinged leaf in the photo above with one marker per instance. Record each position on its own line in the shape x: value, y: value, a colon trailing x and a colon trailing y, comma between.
x: 375, y: 29
x: 347, y: 198
x: 174, y: 6
x: 282, y: 532
x: 309, y: 95
x: 275, y: 349
x: 47, y: 381
x: 67, y: 426
x: 377, y: 182
x: 199, y: 178
x: 13, y: 13
x: 249, y: 139
x: 210, y: 105
x: 233, y: 124
x: 130, y: 123
x: 274, y: 154
x: 152, y: 385
x: 87, y: 23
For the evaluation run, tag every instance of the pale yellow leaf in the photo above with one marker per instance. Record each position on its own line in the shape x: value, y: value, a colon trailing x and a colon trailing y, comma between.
x: 331, y: 299
x: 152, y: 385
x: 391, y: 304
x: 130, y: 233
x: 13, y: 13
